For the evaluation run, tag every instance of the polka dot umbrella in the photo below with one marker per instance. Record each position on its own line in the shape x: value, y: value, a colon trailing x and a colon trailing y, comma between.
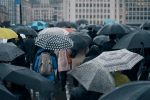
x: 53, y: 39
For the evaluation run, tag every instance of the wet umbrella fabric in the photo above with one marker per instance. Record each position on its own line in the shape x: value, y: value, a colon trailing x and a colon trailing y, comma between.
x: 145, y: 25
x: 5, y: 94
x: 138, y: 39
x: 53, y: 39
x: 118, y: 29
x: 25, y: 77
x: 9, y: 52
x: 93, y: 77
x: 25, y: 30
x: 38, y: 25
x: 54, y: 31
x: 101, y: 39
x: 118, y: 60
x: 6, y: 33
x: 139, y: 90
x: 80, y: 39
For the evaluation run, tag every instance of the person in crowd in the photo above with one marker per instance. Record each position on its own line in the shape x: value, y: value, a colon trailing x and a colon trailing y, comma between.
x: 29, y: 44
x: 77, y: 58
x: 107, y: 46
x: 64, y: 65
x: 53, y: 62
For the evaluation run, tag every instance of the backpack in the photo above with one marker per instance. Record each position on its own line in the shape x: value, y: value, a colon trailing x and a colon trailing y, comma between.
x: 45, y: 64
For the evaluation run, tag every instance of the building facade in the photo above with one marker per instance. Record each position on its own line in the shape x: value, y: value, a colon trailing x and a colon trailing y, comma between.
x: 94, y: 11
x: 23, y: 12
x: 42, y: 12
x: 133, y: 12
x: 3, y: 14
x: 58, y: 9
x: 136, y: 11
x: 11, y: 9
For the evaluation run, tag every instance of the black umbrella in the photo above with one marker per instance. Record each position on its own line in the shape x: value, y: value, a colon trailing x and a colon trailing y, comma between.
x: 118, y: 29
x: 9, y: 52
x: 138, y: 39
x: 101, y: 39
x: 131, y: 91
x: 80, y: 39
x: 25, y: 30
x: 5, y: 94
x: 145, y: 26
x: 25, y: 77
x: 66, y: 24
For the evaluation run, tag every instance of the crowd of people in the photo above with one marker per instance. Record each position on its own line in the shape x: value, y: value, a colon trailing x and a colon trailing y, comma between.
x: 64, y: 60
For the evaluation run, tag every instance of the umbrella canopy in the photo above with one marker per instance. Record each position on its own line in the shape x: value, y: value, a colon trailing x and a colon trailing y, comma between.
x: 118, y: 60
x: 25, y: 77
x: 93, y: 77
x: 138, y: 39
x: 132, y: 91
x: 101, y: 39
x: 145, y: 25
x: 53, y: 39
x: 9, y: 52
x: 55, y: 31
x: 70, y: 29
x: 5, y: 94
x: 118, y: 29
x: 66, y: 24
x: 25, y: 30
x: 80, y: 39
x: 38, y: 25
x: 6, y: 33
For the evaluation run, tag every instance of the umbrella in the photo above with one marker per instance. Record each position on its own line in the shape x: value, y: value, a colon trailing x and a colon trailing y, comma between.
x: 9, y: 52
x: 145, y: 25
x: 66, y: 24
x: 138, y: 39
x: 6, y: 33
x: 70, y: 29
x: 118, y: 29
x: 38, y: 25
x: 5, y: 94
x: 53, y: 39
x: 25, y: 77
x: 55, y: 31
x: 93, y: 77
x: 118, y: 60
x: 80, y: 39
x: 101, y: 39
x: 139, y: 90
x: 25, y: 30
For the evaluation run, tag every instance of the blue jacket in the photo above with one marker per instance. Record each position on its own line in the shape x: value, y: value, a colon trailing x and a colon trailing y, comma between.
x: 54, y: 63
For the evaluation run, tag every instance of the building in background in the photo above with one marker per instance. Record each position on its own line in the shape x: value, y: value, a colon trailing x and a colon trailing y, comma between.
x: 3, y: 14
x: 94, y: 11
x: 23, y: 12
x: 26, y: 12
x: 136, y: 11
x: 58, y: 9
x: 42, y: 12
x: 11, y: 9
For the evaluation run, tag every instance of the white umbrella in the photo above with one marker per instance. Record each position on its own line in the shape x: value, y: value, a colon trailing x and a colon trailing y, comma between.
x: 53, y: 39
x: 118, y: 60
x: 93, y: 77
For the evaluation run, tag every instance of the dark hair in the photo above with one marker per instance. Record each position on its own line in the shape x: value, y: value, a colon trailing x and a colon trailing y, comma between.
x: 73, y: 53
